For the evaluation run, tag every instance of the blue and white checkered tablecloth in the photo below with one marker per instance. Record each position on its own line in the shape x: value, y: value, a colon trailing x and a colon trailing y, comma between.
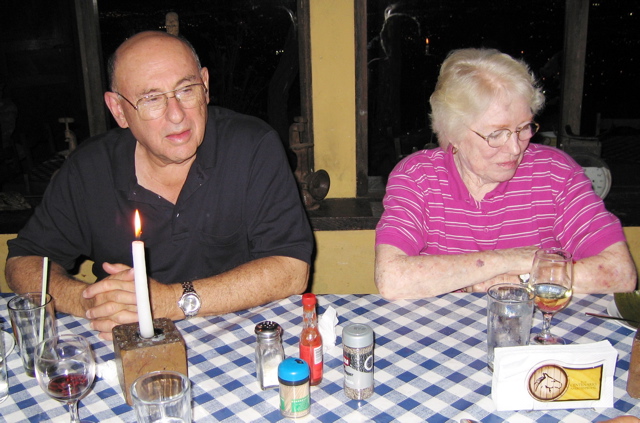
x: 430, y: 364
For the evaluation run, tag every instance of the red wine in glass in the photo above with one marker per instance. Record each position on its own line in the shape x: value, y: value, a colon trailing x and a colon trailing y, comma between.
x: 65, y: 369
x: 69, y: 387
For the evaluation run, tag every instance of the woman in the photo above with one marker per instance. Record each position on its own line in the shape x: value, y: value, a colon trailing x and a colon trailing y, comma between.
x: 472, y: 212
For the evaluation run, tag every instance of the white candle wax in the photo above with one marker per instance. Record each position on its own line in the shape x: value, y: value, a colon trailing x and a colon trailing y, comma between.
x: 142, y: 290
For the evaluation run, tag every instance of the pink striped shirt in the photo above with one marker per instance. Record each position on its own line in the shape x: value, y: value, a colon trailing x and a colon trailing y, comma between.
x: 549, y: 202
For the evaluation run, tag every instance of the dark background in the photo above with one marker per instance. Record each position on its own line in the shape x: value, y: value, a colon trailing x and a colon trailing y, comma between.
x: 243, y: 42
x: 403, y: 68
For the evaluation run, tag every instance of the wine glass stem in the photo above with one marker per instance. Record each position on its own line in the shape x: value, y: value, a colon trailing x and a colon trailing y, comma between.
x: 73, y: 410
x: 546, y: 324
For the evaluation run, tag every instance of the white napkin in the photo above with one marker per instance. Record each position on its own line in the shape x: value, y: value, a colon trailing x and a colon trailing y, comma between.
x: 545, y: 377
x: 108, y: 372
x: 327, y: 326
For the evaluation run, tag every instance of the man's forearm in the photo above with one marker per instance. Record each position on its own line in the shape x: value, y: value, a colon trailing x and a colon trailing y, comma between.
x: 251, y: 284
x: 24, y: 274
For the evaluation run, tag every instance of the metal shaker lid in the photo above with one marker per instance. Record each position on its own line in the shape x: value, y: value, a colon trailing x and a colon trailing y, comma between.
x: 268, y: 329
x: 357, y: 335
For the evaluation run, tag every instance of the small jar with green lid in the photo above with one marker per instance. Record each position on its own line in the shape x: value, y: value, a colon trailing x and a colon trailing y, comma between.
x: 293, y: 375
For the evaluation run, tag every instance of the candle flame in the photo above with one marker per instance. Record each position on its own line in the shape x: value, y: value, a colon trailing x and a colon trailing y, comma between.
x: 426, y: 41
x: 138, y: 225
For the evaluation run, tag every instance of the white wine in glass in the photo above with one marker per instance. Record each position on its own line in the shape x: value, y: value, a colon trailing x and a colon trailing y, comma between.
x: 551, y: 281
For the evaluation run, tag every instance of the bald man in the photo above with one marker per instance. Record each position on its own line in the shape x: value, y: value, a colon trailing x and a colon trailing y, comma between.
x: 222, y: 220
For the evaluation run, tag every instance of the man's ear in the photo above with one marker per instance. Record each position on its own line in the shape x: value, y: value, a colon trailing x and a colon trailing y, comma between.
x: 204, y: 74
x: 115, y: 107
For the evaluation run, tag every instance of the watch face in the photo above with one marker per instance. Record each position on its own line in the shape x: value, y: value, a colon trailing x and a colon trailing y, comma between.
x: 190, y: 303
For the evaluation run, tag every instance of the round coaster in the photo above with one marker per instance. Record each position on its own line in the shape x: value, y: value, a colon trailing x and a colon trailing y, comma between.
x: 548, y: 382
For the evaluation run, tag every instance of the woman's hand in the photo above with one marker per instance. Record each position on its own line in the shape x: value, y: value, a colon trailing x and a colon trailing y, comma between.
x: 399, y: 276
x: 484, y: 286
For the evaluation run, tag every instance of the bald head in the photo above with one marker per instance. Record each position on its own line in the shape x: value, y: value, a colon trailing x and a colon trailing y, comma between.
x: 141, y: 42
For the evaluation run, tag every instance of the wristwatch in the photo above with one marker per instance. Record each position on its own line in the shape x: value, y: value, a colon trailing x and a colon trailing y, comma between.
x: 190, y: 301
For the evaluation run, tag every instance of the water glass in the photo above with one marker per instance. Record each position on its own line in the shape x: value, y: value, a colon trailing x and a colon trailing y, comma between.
x: 509, y: 317
x: 162, y: 396
x: 4, y: 378
x: 32, y: 323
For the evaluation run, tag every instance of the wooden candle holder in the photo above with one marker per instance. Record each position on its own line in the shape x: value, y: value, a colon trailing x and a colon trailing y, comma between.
x: 136, y: 356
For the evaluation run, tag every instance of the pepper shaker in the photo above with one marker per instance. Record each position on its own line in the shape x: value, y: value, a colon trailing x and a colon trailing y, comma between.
x: 269, y: 353
x: 357, y: 347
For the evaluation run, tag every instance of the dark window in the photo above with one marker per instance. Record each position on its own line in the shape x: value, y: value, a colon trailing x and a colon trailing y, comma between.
x: 406, y: 41
x: 250, y: 48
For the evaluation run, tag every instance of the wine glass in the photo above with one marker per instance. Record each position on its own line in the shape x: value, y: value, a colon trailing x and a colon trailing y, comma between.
x: 65, y: 369
x: 551, y: 281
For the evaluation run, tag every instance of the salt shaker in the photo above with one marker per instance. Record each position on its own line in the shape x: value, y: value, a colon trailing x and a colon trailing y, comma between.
x: 357, y: 348
x: 269, y: 353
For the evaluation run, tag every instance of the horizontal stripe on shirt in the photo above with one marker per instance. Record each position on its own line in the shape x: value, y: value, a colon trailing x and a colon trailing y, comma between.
x: 549, y: 202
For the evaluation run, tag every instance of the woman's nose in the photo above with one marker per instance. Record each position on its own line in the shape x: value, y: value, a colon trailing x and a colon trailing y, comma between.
x: 514, y: 144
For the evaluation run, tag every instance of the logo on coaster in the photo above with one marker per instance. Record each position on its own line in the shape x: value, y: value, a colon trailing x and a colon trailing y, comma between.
x: 548, y: 382
x: 551, y: 382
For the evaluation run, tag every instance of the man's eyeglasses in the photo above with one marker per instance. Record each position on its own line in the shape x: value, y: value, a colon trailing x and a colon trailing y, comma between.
x: 155, y: 105
x: 498, y: 138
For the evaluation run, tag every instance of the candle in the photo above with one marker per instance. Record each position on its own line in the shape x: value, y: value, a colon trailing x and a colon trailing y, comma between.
x: 141, y: 283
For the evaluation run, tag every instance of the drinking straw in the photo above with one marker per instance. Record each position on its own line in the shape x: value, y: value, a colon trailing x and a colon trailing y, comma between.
x: 43, y: 296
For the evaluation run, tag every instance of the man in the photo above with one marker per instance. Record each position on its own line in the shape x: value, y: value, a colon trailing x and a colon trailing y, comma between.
x: 219, y: 207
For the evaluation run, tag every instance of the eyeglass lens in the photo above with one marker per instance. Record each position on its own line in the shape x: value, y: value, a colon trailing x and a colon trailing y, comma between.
x: 154, y: 106
x: 500, y: 137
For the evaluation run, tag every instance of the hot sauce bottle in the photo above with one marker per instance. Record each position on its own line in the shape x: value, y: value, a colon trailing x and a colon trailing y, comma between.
x: 310, y: 339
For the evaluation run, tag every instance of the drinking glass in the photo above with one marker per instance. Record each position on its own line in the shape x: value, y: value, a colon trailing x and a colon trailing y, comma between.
x: 65, y: 369
x: 32, y: 322
x: 551, y: 282
x: 509, y: 317
x: 4, y: 378
x: 163, y: 396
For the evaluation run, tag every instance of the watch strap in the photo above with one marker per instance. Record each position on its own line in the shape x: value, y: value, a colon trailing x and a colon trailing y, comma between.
x: 187, y: 286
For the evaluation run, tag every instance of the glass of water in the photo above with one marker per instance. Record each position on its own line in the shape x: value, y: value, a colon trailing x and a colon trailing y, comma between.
x: 4, y: 377
x: 509, y: 317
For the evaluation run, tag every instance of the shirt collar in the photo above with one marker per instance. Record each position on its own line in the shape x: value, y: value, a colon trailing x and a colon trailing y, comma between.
x: 459, y: 190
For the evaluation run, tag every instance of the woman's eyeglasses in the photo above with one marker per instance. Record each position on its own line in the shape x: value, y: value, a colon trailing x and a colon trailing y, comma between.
x: 498, y: 138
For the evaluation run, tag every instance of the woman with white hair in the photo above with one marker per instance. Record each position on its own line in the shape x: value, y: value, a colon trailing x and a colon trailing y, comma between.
x: 472, y: 212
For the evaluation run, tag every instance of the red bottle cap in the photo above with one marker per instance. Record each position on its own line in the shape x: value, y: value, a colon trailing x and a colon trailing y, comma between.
x: 308, y: 299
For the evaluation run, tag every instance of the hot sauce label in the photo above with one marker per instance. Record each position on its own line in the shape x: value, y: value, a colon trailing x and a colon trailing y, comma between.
x: 313, y: 357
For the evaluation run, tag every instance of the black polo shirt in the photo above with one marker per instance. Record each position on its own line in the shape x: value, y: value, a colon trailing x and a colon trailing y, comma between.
x: 240, y: 202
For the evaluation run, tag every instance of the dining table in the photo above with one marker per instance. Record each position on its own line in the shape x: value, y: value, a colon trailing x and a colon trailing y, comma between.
x: 430, y: 364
